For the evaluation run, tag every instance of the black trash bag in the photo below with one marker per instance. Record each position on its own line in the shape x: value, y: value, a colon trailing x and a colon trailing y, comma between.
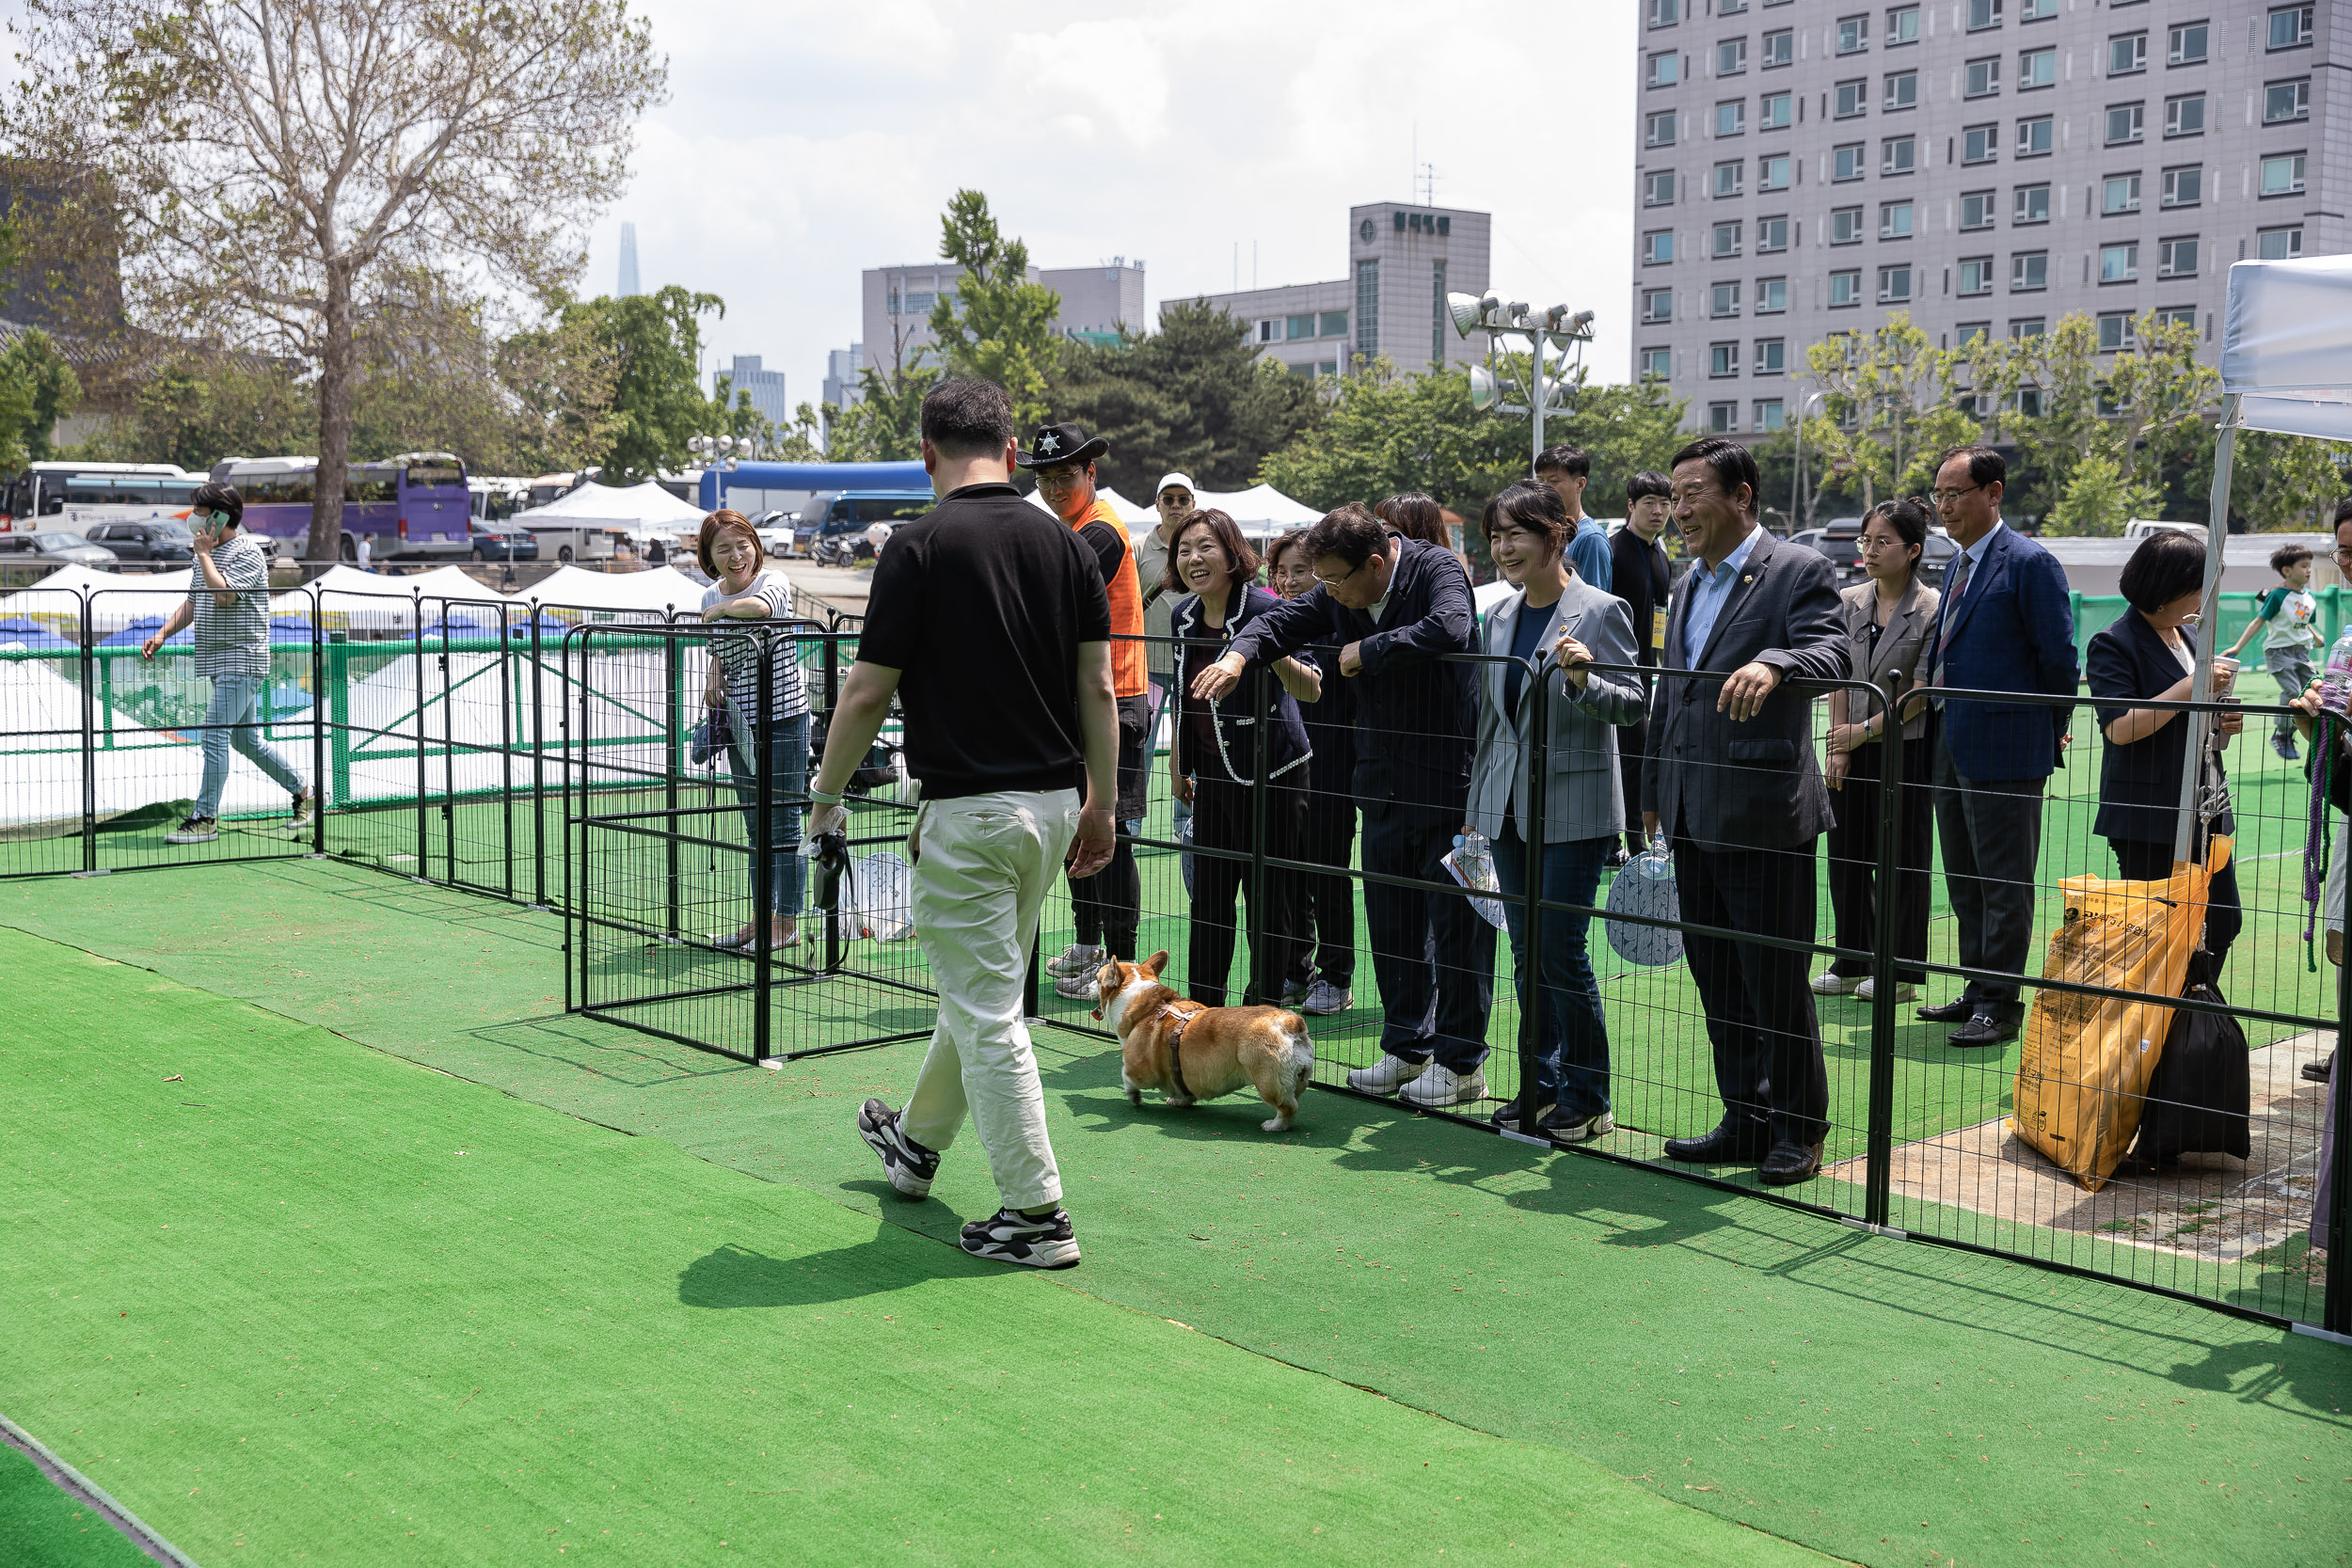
x: 2200, y: 1094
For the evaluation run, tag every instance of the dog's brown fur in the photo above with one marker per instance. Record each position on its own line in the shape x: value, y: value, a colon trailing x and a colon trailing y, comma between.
x: 1223, y: 1048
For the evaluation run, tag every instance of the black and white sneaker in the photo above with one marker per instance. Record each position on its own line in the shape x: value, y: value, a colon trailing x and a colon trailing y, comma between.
x: 196, y: 829
x: 1010, y: 1236
x: 911, y: 1167
x: 304, y: 804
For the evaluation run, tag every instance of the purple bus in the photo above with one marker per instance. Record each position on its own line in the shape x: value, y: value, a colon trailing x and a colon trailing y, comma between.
x: 412, y: 506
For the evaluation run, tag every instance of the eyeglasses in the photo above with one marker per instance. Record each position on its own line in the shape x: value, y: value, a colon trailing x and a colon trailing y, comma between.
x: 2342, y: 554
x: 1870, y: 543
x: 1940, y: 497
x: 1057, y: 478
x: 1334, y: 583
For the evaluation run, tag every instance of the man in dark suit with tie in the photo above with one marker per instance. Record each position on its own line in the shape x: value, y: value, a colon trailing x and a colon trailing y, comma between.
x: 1731, y: 781
x: 2006, y: 624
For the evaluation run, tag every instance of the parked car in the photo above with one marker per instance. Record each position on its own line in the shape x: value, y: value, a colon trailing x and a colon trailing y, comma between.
x: 502, y: 541
x: 52, y: 550
x: 158, y: 541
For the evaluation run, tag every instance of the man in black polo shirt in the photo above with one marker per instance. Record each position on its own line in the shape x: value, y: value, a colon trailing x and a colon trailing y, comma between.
x: 989, y: 621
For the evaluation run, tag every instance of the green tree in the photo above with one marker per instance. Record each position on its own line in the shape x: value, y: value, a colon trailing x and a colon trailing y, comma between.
x: 2138, y: 411
x: 885, y: 424
x: 2100, y: 498
x: 1888, y: 410
x: 654, y: 341
x: 1385, y: 432
x: 996, y: 324
x: 37, y: 389
x: 2279, y: 482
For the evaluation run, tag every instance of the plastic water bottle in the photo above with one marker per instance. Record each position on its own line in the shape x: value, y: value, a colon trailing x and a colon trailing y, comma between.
x: 2335, y: 687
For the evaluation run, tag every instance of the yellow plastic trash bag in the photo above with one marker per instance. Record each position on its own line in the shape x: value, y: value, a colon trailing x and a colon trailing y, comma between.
x: 2087, y: 1059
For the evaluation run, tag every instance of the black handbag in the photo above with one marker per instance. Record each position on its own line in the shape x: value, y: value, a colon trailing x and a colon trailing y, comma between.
x: 2200, y: 1094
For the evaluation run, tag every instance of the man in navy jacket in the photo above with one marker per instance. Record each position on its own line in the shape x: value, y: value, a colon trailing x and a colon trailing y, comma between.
x: 2006, y: 624
x: 1394, y: 605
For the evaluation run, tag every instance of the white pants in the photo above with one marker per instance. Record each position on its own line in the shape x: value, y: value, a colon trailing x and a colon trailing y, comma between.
x: 987, y: 862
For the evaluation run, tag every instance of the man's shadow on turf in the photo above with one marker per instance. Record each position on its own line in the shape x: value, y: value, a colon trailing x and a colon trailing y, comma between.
x: 734, y: 1276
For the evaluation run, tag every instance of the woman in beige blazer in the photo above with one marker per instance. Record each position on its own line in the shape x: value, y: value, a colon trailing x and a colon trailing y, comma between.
x: 1889, y: 617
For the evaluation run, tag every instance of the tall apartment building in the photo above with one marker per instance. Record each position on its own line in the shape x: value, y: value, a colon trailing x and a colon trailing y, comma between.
x: 1402, y: 261
x: 765, y: 387
x: 1808, y: 168
x: 897, y: 304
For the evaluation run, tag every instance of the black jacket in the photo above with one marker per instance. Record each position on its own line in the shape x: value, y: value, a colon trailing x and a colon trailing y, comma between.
x: 1235, y: 760
x: 2140, y: 784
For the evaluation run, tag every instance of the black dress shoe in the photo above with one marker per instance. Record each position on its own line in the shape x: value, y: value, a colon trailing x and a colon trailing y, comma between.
x: 1731, y: 1143
x: 2317, y: 1071
x: 1949, y: 1012
x: 1983, y: 1029
x: 1789, y: 1164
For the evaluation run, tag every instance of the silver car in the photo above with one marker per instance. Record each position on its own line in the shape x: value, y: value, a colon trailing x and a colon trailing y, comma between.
x: 52, y: 550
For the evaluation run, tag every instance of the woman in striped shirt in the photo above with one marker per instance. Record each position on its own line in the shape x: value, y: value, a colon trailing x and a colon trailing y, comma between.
x: 743, y: 590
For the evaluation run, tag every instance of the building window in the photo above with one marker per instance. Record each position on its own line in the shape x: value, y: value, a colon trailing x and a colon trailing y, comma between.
x: 1898, y: 156
x: 1334, y: 323
x: 1731, y: 57
x: 1724, y: 301
x: 2176, y: 257
x: 2183, y: 187
x: 1731, y: 117
x: 1969, y: 332
x: 1771, y: 234
x: 2291, y: 27
x: 1851, y: 99
x: 2023, y: 327
x: 2286, y: 101
x: 2187, y: 44
x: 2186, y: 116
x: 1777, y: 48
x: 1730, y: 178
x: 1726, y: 240
x: 1845, y: 226
x: 1657, y: 364
x: 1845, y: 290
x: 1850, y: 162
x: 1901, y: 91
x: 1731, y: 7
x: 1975, y: 209
x: 1982, y: 78
x: 1894, y: 220
x: 2118, y: 264
x: 2028, y: 270
x: 2033, y: 137
x: 2125, y: 123
x: 1657, y: 247
x: 1895, y: 285
x: 2282, y: 175
x: 1772, y: 174
x: 2119, y: 193
x: 2036, y: 11
x: 1771, y: 355
x: 1768, y: 415
x: 2036, y: 68
x: 2114, y: 331
x: 2278, y: 245
x: 1658, y: 305
x: 1979, y: 144
x: 1902, y: 26
x: 1658, y: 190
x: 1270, y: 331
x: 1661, y: 129
x: 2177, y: 315
x: 1723, y: 359
x: 1664, y: 13
x: 1774, y: 111
x: 1665, y: 70
x: 1771, y: 296
x: 1981, y: 14
x: 2032, y: 205
x: 1722, y: 418
x: 1854, y: 34
x: 1301, y: 326
x: 1976, y: 274
x: 2127, y: 56
x: 1367, y: 307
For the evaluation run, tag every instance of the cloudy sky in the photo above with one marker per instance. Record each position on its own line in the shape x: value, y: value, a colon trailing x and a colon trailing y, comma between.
x: 805, y: 142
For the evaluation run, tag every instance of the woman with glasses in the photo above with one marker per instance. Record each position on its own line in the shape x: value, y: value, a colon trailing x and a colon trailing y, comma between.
x: 1888, y: 615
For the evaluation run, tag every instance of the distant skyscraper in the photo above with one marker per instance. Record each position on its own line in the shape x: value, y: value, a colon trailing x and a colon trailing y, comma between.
x: 629, y: 261
x: 765, y: 387
x: 841, y: 384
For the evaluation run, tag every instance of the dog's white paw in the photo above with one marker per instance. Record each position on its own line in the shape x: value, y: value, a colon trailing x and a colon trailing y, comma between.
x: 1276, y: 1124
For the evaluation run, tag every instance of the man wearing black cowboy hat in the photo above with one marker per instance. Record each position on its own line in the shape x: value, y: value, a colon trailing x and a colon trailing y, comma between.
x: 1105, y: 907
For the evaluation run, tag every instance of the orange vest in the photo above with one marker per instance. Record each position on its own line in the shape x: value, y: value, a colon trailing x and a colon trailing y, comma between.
x: 1131, y: 674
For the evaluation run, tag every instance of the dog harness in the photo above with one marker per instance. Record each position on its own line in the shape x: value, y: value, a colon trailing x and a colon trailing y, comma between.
x: 1176, y: 1043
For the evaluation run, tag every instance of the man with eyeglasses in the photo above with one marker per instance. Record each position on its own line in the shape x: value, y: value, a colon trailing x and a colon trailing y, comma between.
x: 2006, y: 624
x: 1108, y: 906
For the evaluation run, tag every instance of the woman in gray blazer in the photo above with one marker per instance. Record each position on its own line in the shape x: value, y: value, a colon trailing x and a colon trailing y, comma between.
x: 1890, y: 618
x: 1552, y: 631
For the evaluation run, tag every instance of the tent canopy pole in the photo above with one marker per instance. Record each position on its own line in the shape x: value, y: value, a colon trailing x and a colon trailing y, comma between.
x: 2208, y: 626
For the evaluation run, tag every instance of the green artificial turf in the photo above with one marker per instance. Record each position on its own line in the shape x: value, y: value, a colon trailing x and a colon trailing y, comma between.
x: 293, y: 1299
x: 1693, y: 1340
x: 42, y: 1527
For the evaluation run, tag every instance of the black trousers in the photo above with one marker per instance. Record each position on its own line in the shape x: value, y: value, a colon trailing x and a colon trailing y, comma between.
x: 1853, y: 859
x: 1105, y: 907
x: 1327, y: 904
x: 2140, y: 862
x: 1633, y: 746
x: 1221, y: 820
x: 1991, y: 830
x: 1433, y: 956
x: 1760, y: 1021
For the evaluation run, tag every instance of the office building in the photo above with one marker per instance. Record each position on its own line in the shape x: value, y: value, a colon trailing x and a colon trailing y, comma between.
x: 1402, y: 261
x: 841, y: 380
x: 629, y: 285
x: 1095, y: 303
x: 1808, y: 168
x: 765, y: 386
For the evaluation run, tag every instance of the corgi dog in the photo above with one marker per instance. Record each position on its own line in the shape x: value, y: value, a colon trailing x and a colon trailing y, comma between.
x: 1190, y: 1053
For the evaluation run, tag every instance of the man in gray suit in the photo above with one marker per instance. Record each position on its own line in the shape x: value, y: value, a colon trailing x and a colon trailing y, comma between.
x: 1731, y: 781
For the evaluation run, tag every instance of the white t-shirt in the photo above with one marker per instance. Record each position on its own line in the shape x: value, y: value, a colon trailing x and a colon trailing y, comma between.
x: 738, y: 650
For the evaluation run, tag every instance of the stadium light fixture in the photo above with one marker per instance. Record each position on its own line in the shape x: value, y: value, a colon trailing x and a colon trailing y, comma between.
x: 1555, y: 329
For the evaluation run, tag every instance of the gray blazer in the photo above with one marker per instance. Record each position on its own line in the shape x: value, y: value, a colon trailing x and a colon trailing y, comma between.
x: 1584, y: 797
x: 1751, y: 785
x: 1898, y: 660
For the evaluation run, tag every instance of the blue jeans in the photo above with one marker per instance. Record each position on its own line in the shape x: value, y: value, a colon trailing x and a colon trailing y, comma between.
x: 1572, y: 1051
x: 233, y: 719
x: 788, y: 762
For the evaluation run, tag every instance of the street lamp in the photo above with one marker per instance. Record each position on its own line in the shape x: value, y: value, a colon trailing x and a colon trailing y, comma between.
x: 1796, y: 475
x: 1555, y: 327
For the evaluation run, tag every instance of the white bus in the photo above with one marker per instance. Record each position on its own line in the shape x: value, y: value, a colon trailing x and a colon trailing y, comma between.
x: 69, y: 497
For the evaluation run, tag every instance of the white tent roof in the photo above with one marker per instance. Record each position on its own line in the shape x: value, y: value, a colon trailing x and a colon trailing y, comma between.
x: 1262, y: 510
x: 642, y: 508
x: 662, y: 588
x: 2286, y: 346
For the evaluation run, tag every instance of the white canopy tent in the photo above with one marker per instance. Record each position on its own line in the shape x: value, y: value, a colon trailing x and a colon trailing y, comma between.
x: 125, y: 596
x: 641, y: 511
x: 1262, y: 510
x: 663, y: 588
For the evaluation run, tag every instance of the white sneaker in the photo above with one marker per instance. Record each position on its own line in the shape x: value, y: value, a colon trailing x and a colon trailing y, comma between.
x: 1866, y: 991
x: 1324, y: 999
x: 1082, y: 986
x: 1386, y: 1076
x: 1075, y: 960
x: 1442, y: 1086
x: 1830, y: 983
x: 196, y: 829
